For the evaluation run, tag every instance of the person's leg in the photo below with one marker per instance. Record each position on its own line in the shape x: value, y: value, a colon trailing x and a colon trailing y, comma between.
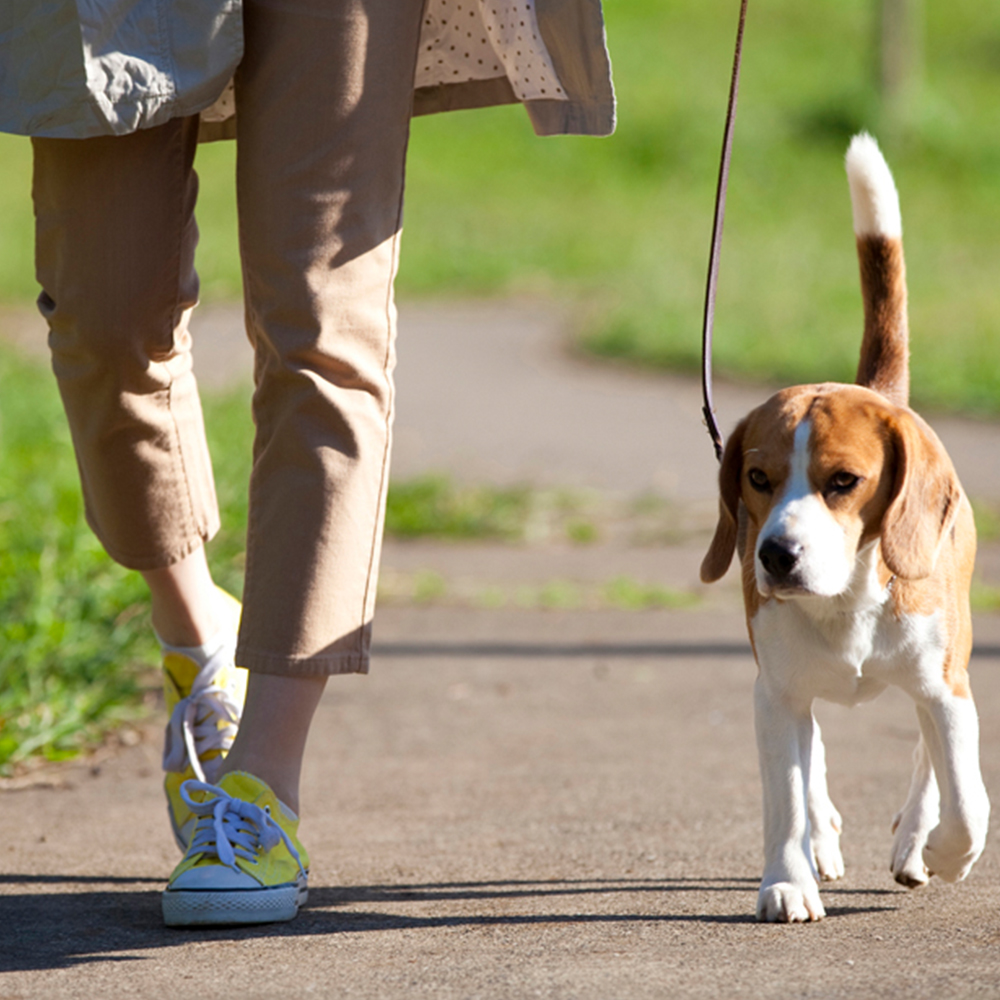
x: 276, y: 719
x: 320, y: 181
x: 115, y: 240
x: 115, y: 243
x: 323, y: 97
x: 184, y: 606
x: 115, y: 258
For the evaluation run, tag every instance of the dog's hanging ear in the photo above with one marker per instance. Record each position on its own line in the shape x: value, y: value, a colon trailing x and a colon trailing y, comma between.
x: 925, y: 500
x: 720, y: 552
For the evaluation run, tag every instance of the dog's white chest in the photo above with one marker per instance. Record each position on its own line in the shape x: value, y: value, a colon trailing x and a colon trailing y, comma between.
x: 847, y: 656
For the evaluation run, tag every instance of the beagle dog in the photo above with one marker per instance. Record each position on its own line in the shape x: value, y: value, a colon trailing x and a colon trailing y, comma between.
x: 857, y: 546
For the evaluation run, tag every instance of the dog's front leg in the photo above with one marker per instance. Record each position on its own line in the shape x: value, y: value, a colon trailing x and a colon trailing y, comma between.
x: 788, y: 890
x: 950, y: 728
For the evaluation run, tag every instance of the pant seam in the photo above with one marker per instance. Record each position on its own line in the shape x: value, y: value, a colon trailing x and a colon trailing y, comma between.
x: 252, y: 326
x: 389, y: 302
x: 193, y: 528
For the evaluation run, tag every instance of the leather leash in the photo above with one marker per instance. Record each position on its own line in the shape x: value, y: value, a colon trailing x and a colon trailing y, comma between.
x: 713, y: 260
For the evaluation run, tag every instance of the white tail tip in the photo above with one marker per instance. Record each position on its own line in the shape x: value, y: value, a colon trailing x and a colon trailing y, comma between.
x: 874, y: 200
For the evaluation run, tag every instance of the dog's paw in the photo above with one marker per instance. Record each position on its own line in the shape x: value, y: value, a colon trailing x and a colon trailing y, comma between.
x: 829, y: 860
x: 907, y: 862
x: 950, y: 853
x: 910, y: 828
x: 825, y: 842
x: 788, y: 903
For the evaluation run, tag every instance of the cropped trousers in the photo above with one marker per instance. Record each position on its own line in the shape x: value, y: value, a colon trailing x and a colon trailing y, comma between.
x: 323, y: 96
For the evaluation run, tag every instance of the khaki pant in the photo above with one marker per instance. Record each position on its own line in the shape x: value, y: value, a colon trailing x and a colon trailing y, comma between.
x: 324, y: 96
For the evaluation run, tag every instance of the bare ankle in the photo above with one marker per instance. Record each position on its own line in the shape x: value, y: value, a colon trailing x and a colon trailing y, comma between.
x: 185, y: 605
x: 272, y: 737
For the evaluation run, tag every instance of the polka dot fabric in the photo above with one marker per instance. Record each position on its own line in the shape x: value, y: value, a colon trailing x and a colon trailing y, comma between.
x: 465, y: 40
x: 224, y: 107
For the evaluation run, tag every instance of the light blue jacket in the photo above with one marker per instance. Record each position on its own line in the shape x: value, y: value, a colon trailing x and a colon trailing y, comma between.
x: 78, y: 68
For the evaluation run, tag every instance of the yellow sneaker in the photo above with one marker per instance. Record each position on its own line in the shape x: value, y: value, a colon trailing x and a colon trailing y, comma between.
x: 245, y: 864
x: 205, y: 704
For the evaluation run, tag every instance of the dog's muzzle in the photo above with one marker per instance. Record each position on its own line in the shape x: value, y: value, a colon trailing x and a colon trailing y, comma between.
x: 780, y: 559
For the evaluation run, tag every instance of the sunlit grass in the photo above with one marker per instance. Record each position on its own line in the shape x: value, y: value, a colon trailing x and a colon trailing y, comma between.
x: 431, y: 506
x: 623, y: 593
x: 74, y: 635
x: 619, y: 227
x: 77, y: 654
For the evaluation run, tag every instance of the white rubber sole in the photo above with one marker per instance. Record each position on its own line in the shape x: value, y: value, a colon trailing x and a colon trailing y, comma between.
x: 207, y: 907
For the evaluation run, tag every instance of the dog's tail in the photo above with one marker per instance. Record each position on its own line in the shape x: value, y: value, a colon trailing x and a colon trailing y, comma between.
x: 878, y: 228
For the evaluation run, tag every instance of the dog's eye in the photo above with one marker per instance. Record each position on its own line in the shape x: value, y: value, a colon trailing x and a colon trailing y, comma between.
x: 843, y: 482
x: 758, y: 480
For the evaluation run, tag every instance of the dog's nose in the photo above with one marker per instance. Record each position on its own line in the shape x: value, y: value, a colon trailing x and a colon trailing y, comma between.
x: 778, y: 556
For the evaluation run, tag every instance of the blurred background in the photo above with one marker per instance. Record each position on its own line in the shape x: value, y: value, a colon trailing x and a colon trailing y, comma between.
x: 616, y: 232
x: 619, y: 227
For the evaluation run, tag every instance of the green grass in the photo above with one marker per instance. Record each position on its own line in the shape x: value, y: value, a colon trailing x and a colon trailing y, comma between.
x: 73, y: 631
x: 985, y: 598
x: 620, y: 227
x: 76, y: 647
x: 623, y: 593
x: 77, y: 655
x: 431, y: 507
x: 987, y: 520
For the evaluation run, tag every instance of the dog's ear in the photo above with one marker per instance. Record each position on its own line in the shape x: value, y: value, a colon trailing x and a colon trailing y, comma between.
x: 720, y: 552
x: 925, y: 499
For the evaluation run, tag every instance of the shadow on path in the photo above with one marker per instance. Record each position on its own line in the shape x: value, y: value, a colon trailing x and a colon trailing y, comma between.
x: 45, y: 930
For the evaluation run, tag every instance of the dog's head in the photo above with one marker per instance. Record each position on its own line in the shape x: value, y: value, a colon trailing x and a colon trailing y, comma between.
x: 822, y: 471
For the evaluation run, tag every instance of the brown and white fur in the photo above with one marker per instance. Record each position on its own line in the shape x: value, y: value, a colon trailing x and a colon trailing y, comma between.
x: 857, y: 546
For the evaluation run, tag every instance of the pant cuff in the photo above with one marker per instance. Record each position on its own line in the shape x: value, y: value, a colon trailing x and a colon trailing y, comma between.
x: 158, y: 560
x: 310, y: 666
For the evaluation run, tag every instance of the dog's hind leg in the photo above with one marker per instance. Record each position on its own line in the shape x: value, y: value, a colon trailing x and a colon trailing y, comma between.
x: 825, y: 824
x: 915, y: 821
